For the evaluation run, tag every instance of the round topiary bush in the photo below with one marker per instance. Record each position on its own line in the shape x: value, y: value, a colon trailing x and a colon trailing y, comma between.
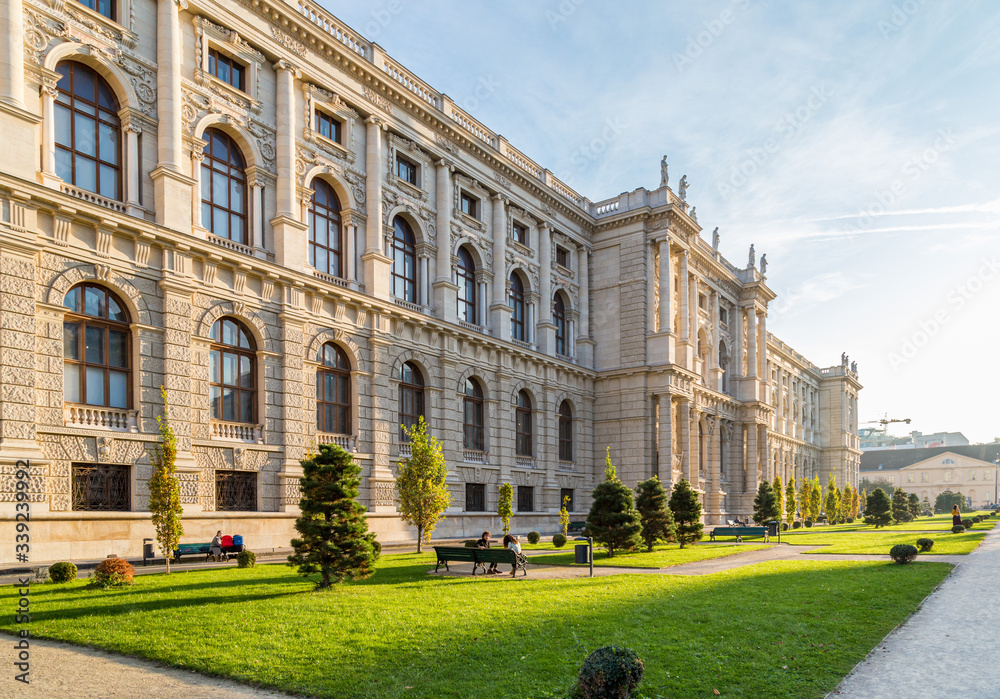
x: 850, y: 520
x: 977, y: 519
x: 925, y: 544
x: 559, y: 541
x: 967, y: 523
x: 905, y: 517
x: 808, y: 523
x: 114, y: 572
x: 611, y: 672
x: 957, y: 529
x: 784, y: 526
x: 796, y: 525
x: 62, y: 572
x: 533, y: 537
x: 903, y: 553
x: 246, y: 559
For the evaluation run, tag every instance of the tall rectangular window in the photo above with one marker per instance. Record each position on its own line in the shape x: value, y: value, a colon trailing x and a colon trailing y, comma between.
x: 521, y: 233
x: 226, y: 69
x: 566, y: 498
x: 475, y: 497
x: 562, y: 257
x: 406, y: 170
x: 326, y: 126
x: 525, y: 498
x: 235, y: 491
x: 470, y: 205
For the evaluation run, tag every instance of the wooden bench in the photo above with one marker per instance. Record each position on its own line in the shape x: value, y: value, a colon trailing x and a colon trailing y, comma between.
x: 206, y: 549
x: 739, y: 533
x: 477, y: 557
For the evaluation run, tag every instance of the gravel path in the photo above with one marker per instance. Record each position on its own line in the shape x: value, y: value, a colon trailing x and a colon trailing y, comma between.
x: 945, y: 649
x: 64, y: 670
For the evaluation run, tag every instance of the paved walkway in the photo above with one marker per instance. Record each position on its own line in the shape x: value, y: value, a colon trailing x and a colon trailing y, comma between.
x: 64, y: 670
x: 946, y: 649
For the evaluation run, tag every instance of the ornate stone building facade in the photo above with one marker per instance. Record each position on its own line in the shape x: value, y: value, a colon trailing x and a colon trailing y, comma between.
x: 249, y: 204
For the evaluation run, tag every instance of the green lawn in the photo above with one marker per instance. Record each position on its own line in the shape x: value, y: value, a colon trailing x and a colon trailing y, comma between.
x: 881, y: 541
x: 937, y: 523
x: 776, y: 629
x: 661, y: 556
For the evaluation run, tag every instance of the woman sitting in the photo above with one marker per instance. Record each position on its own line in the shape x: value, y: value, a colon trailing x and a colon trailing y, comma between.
x: 510, y: 542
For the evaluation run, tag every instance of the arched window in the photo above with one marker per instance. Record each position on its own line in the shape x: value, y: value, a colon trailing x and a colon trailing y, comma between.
x: 224, y: 187
x: 232, y: 372
x: 467, y: 287
x: 325, y: 243
x: 473, y: 416
x: 517, y: 324
x: 96, y: 351
x: 559, y: 318
x: 411, y: 397
x: 88, y: 143
x: 404, y: 262
x: 333, y: 391
x: 565, y: 432
x: 522, y: 420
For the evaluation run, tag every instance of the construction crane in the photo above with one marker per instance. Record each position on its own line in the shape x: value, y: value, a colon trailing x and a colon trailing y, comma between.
x: 886, y: 421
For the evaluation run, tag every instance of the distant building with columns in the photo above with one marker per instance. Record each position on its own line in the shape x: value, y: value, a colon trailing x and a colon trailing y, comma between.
x: 250, y: 204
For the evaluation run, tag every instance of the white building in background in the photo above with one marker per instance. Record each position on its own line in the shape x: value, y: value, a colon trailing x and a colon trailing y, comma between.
x: 248, y: 203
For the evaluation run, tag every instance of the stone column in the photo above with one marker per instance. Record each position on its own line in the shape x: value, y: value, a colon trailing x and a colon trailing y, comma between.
x: 197, y: 156
x: 583, y: 272
x: 750, y: 487
x: 350, y: 247
x: 685, y: 329
x: 12, y: 53
x: 445, y: 289
x: 48, y: 97
x: 716, y: 495
x: 294, y: 418
x: 665, y: 441
x: 173, y: 189
x: 546, y: 329
x: 752, y: 344
x: 687, y: 452
x: 132, y: 164
x: 666, y: 295
x: 424, y: 272
x: 762, y: 347
x: 256, y: 240
x: 377, y: 264
x: 289, y: 230
x: 499, y: 310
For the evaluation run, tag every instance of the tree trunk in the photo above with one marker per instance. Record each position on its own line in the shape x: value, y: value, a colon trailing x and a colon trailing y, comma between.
x: 420, y: 538
x: 167, y: 559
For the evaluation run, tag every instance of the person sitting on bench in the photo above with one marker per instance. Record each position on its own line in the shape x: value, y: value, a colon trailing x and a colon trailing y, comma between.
x: 215, y: 550
x: 510, y: 542
x: 484, y: 543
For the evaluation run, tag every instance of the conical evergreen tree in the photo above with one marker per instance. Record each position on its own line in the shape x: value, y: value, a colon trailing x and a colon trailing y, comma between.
x: 613, y: 520
x: 832, y: 505
x: 877, y: 510
x: 657, y: 519
x: 335, y: 539
x: 686, y: 507
x: 913, y: 502
x: 765, y: 504
x: 900, y: 505
x: 815, y: 499
x: 779, y: 494
x: 790, y: 501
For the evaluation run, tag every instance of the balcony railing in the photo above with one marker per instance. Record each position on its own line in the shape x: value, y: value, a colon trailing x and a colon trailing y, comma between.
x: 347, y: 442
x: 524, y: 461
x: 403, y: 450
x: 92, y: 198
x: 237, y: 432
x: 96, y: 417
x: 230, y: 244
x: 472, y: 456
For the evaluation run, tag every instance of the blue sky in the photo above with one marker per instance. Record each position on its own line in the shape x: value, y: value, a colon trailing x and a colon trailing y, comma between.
x: 856, y: 143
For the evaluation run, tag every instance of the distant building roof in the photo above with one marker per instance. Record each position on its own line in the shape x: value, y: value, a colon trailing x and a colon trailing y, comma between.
x: 893, y: 459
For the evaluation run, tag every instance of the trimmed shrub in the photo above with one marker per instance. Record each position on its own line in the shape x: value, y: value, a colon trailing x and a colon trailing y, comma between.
x: 470, y: 543
x: 246, y: 559
x: 62, y: 572
x: 796, y: 524
x: 903, y: 553
x: 850, y: 520
x: 611, y: 672
x: 534, y: 537
x: 784, y: 526
x: 967, y: 523
x: 905, y: 517
x: 977, y: 519
x: 558, y: 541
x: 376, y: 549
x: 808, y: 523
x: 113, y: 572
x: 957, y: 529
x: 925, y: 544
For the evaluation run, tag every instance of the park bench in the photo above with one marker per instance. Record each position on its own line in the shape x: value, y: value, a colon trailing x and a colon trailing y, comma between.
x: 739, y: 533
x: 576, y: 526
x: 478, y: 557
x: 206, y: 549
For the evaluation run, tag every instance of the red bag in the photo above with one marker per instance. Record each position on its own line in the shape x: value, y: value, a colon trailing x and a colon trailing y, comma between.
x: 227, y: 540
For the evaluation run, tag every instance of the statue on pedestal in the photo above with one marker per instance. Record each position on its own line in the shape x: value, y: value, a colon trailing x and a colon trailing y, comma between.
x: 854, y: 367
x: 715, y: 238
x: 694, y: 214
x: 664, y: 177
x: 683, y: 189
x: 753, y: 257
x: 763, y: 263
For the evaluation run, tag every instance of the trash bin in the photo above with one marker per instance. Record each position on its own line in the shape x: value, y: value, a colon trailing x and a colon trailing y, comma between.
x: 582, y: 553
x: 147, y: 550
x: 772, y: 528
